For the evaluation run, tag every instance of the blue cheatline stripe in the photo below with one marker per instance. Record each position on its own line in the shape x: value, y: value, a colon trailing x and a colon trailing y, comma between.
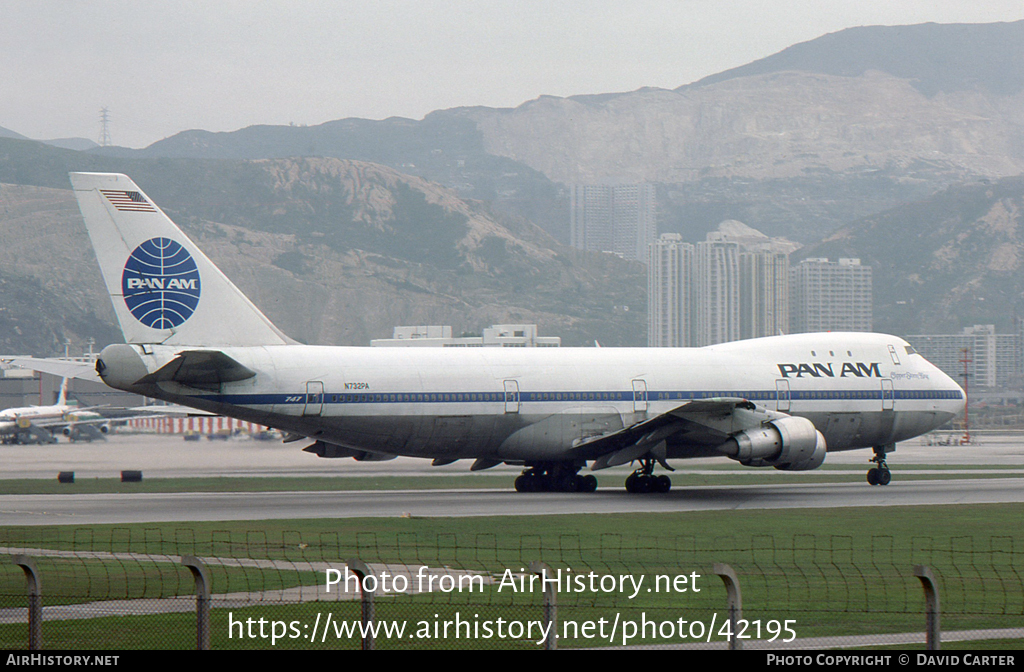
x: 547, y: 397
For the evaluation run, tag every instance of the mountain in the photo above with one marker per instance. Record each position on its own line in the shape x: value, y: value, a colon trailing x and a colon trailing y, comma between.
x: 6, y: 133
x: 897, y: 145
x: 334, y: 251
x: 934, y: 58
x: 442, y: 148
x: 949, y: 261
x: 797, y: 144
x: 77, y: 144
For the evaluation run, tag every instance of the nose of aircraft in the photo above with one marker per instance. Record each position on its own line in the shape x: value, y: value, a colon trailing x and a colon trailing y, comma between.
x: 954, y: 405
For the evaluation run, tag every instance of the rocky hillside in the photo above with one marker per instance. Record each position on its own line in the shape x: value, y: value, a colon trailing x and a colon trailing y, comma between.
x: 768, y: 126
x: 50, y: 285
x: 333, y: 251
x: 950, y: 261
x: 944, y: 97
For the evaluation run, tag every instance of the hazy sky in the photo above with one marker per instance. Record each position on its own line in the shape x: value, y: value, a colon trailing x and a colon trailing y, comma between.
x: 164, y: 67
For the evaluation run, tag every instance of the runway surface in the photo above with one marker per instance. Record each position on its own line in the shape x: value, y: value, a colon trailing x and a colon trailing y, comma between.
x: 159, y: 507
x: 168, y: 456
x: 164, y: 456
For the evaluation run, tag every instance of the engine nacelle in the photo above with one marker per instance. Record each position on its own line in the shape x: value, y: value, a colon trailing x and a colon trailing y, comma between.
x: 789, y: 444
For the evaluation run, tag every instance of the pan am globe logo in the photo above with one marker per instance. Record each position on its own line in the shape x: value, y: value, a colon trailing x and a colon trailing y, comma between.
x: 160, y: 283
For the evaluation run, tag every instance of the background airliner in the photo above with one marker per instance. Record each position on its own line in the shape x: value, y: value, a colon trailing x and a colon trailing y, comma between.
x: 192, y: 338
x: 36, y: 424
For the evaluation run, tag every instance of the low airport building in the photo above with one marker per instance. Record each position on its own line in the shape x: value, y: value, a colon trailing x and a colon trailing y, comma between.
x: 496, y: 336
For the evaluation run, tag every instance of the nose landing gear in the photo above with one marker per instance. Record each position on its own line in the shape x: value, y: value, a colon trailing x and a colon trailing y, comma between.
x: 880, y: 475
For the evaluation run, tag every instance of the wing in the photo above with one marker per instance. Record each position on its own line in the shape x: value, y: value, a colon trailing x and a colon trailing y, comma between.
x: 713, y: 418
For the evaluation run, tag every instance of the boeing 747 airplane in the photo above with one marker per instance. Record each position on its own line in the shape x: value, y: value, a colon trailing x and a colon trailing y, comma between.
x: 192, y: 338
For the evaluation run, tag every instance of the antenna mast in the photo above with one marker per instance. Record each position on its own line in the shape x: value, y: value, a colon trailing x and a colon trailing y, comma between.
x: 965, y: 360
x: 105, y: 127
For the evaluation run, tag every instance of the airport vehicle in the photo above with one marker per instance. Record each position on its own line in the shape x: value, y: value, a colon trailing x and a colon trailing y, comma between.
x: 192, y: 338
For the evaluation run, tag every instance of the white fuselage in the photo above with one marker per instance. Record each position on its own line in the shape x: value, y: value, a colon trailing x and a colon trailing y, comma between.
x: 10, y: 417
x: 537, y: 404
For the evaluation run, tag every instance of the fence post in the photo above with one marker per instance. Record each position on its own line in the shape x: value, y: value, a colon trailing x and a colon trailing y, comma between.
x: 202, y: 579
x: 35, y: 601
x: 362, y: 570
x: 931, y: 600
x: 550, y: 604
x: 734, y: 602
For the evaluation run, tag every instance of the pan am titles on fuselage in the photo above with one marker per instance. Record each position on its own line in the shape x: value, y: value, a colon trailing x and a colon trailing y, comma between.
x: 192, y: 338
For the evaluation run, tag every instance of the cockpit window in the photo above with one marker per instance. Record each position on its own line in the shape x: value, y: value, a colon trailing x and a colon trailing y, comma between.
x: 910, y: 350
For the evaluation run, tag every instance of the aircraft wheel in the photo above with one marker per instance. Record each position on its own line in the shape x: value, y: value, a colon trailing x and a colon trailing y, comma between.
x: 566, y: 483
x: 587, y: 483
x: 884, y: 476
x: 662, y: 483
x: 873, y: 476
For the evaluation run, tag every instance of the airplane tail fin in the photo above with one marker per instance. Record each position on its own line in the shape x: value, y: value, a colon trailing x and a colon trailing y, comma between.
x: 62, y: 398
x: 164, y: 289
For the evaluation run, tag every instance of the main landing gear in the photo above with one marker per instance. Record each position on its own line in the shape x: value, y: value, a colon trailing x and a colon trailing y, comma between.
x: 643, y: 479
x: 555, y: 478
x: 879, y: 475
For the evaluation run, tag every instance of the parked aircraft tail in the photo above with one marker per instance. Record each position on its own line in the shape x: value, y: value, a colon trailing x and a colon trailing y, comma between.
x: 164, y: 289
x: 62, y: 398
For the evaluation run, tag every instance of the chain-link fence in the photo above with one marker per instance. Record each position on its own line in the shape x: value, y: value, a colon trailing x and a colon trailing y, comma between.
x: 131, y: 589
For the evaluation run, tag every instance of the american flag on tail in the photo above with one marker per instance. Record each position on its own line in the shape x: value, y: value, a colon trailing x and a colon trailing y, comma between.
x: 128, y: 201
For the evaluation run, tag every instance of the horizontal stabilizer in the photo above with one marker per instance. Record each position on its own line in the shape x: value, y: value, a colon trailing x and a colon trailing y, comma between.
x: 202, y: 369
x: 58, y: 367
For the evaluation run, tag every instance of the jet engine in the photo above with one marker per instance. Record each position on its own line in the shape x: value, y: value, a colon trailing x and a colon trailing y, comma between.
x: 788, y: 444
x: 70, y: 430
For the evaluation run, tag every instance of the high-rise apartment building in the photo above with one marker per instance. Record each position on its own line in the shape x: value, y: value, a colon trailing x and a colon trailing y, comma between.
x: 618, y: 218
x: 716, y: 291
x: 669, y: 272
x: 830, y: 296
x: 764, y: 293
x: 734, y: 284
x: 992, y: 359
